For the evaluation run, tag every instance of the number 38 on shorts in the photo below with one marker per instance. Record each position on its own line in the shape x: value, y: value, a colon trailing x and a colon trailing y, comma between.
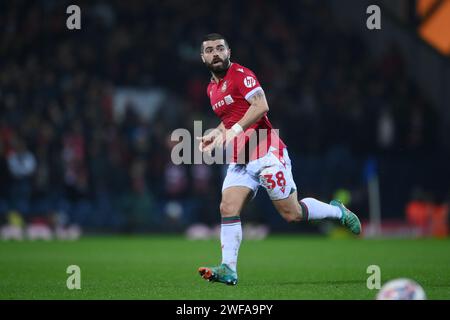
x: 267, y: 180
x: 277, y: 179
x: 274, y: 181
x: 268, y: 171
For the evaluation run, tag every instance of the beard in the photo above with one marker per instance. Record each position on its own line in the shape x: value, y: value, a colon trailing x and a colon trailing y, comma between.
x: 219, y: 69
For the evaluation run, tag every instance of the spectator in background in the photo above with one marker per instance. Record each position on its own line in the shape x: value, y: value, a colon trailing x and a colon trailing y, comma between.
x: 74, y: 159
x: 138, y: 204
x: 386, y: 129
x: 22, y: 166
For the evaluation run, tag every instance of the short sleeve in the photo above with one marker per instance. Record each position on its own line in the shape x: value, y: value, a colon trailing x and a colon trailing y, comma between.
x: 247, y: 83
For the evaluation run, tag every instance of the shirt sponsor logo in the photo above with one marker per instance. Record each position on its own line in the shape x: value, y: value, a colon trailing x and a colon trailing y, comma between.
x: 218, y: 104
x: 228, y: 99
x: 249, y: 82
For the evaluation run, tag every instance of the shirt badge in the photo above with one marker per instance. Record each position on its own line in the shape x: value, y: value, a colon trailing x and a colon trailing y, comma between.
x: 224, y: 87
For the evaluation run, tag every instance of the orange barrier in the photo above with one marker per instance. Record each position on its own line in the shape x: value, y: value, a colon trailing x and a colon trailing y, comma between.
x: 439, y: 221
x: 432, y: 219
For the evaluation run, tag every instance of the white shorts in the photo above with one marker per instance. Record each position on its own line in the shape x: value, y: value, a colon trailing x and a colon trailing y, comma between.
x: 269, y: 171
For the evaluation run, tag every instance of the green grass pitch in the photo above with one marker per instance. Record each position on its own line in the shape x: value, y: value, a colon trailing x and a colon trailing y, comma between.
x: 165, y: 267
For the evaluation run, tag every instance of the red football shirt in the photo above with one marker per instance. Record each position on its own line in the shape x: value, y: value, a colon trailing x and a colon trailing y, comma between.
x: 229, y: 100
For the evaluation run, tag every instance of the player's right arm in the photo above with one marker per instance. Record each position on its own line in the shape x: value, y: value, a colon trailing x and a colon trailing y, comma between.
x: 206, y: 141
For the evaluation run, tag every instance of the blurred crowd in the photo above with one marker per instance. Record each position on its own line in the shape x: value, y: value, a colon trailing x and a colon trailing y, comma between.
x: 64, y: 153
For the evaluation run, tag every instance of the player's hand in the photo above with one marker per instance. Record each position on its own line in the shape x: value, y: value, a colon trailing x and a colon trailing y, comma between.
x: 207, y: 141
x: 216, y: 138
x: 221, y: 141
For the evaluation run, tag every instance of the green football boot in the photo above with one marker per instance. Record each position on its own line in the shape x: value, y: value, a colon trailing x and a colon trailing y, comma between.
x: 348, y: 219
x: 222, y: 273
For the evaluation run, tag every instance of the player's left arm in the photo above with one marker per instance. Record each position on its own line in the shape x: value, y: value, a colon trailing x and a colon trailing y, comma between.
x: 258, y: 108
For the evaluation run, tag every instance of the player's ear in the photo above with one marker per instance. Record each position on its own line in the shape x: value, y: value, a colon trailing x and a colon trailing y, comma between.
x: 203, y: 58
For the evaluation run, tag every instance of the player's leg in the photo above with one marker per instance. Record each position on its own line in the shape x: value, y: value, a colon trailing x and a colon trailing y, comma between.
x: 308, y: 209
x: 277, y: 179
x: 233, y: 200
x: 238, y: 187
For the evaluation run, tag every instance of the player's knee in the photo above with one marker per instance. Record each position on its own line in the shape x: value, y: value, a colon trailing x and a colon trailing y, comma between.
x: 227, y: 209
x: 292, y: 217
x: 290, y: 214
